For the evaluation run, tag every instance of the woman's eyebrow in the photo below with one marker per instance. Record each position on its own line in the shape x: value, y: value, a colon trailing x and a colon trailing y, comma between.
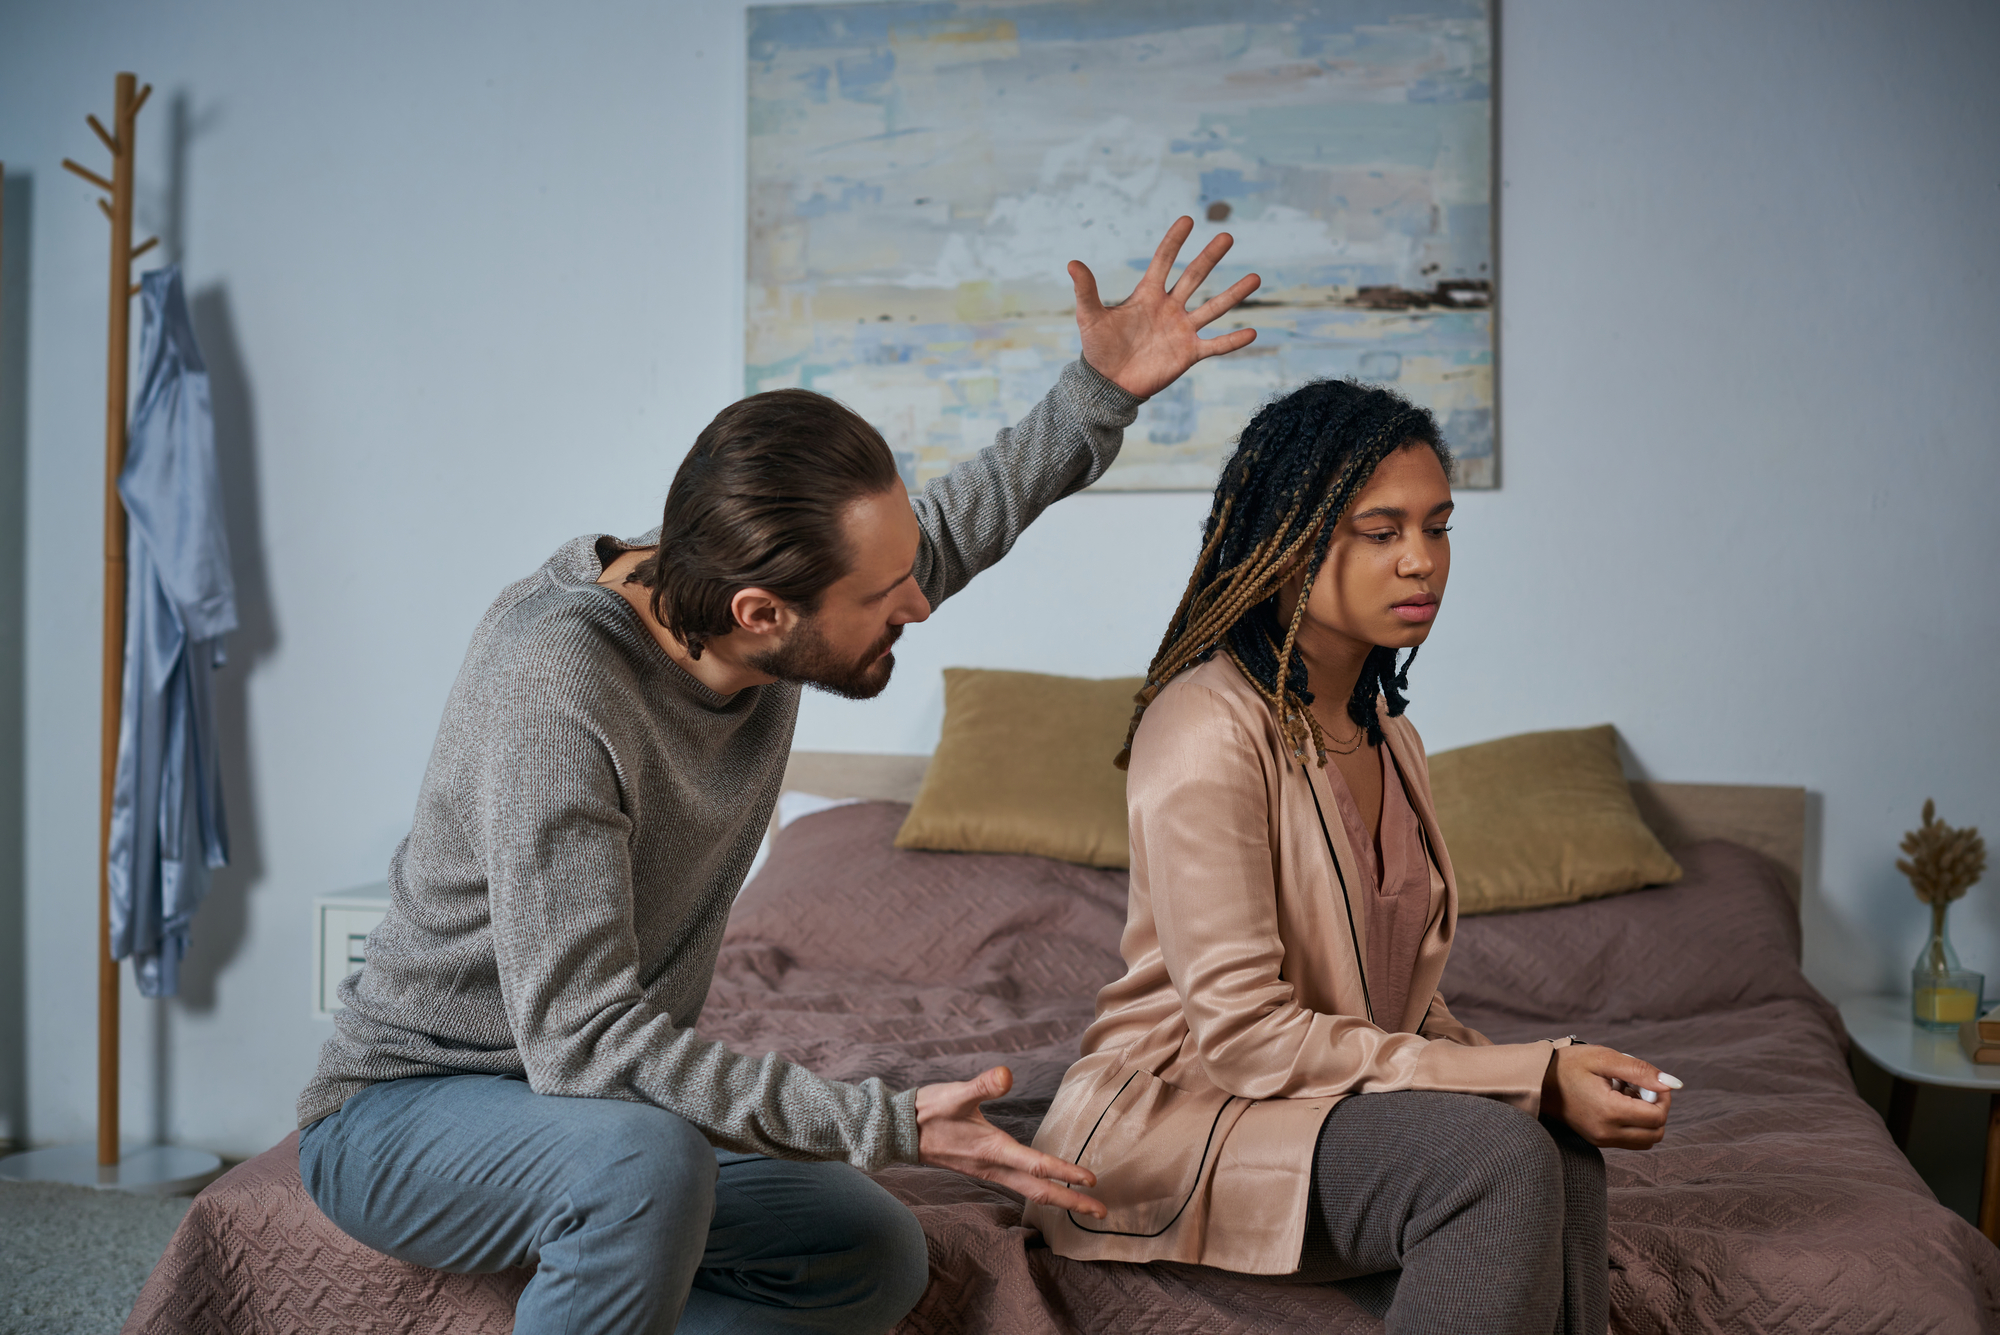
x: 1398, y: 512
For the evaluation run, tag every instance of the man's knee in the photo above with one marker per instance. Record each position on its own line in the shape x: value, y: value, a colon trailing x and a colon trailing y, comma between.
x: 884, y: 1263
x: 903, y: 1260
x: 639, y: 1162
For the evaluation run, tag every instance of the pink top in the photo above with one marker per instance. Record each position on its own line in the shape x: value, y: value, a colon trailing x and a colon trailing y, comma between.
x: 1391, y: 911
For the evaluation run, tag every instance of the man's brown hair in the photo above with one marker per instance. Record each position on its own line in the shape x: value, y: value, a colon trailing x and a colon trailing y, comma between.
x: 757, y: 503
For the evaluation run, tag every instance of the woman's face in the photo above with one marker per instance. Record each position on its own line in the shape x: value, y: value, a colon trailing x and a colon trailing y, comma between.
x: 1385, y: 570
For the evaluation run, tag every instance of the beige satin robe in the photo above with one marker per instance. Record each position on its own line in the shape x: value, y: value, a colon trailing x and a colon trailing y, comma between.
x: 1239, y: 1021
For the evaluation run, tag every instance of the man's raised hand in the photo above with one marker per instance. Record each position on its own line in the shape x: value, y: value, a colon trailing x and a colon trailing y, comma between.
x: 952, y: 1133
x: 1145, y: 342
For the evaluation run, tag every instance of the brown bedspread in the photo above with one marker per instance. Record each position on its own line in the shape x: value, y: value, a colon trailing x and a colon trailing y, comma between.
x: 1776, y: 1203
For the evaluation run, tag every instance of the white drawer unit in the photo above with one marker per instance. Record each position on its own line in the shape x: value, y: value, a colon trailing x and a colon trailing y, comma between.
x: 341, y: 924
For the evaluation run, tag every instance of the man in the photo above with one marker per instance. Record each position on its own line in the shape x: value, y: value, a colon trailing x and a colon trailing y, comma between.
x: 516, y: 1078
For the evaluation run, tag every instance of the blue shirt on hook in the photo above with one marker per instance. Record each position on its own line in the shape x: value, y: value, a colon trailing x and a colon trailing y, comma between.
x: 167, y: 826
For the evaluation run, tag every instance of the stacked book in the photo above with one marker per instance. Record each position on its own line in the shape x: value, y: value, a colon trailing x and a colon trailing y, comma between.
x: 1980, y: 1037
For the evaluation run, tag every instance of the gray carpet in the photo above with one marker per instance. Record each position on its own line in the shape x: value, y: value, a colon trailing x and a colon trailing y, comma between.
x: 72, y: 1260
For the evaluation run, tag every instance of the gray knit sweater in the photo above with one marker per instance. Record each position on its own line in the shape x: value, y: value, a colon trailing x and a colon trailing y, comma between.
x: 588, y: 815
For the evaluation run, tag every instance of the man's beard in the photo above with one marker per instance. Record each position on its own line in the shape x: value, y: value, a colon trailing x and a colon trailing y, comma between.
x: 806, y: 657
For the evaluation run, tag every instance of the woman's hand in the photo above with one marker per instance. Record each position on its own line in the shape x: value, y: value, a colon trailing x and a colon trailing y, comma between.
x: 1146, y: 341
x: 952, y: 1133
x: 1578, y: 1090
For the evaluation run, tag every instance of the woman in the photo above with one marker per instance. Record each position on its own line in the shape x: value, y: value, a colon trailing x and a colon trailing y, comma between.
x: 1275, y: 1086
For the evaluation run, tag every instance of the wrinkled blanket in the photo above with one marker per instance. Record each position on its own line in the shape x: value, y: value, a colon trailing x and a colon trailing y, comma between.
x: 1777, y: 1202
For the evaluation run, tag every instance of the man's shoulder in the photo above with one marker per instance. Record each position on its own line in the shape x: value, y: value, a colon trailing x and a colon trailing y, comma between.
x: 557, y: 618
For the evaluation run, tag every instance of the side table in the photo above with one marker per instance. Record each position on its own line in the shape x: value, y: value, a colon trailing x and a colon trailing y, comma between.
x: 1881, y: 1027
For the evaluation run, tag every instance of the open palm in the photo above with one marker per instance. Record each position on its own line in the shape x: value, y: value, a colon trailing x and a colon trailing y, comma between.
x: 953, y: 1133
x: 1145, y: 342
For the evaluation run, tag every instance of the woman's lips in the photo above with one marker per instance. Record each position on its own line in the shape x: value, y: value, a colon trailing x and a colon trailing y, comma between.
x: 1416, y: 611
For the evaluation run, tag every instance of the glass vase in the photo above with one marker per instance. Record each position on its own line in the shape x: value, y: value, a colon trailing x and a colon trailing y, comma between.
x: 1943, y: 994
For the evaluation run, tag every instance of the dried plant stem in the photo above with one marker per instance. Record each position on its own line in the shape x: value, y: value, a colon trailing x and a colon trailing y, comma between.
x: 1934, y: 960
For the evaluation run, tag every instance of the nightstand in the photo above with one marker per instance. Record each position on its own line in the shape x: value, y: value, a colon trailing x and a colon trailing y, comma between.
x: 1881, y: 1027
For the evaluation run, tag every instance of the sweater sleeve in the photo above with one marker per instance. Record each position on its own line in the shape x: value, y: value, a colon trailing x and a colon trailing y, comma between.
x: 1198, y: 795
x: 555, y: 840
x: 971, y: 516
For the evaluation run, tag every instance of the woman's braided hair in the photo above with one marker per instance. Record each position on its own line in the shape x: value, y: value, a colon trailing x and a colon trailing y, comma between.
x: 1295, y: 470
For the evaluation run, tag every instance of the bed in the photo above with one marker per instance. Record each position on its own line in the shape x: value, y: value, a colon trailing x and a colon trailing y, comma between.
x: 1777, y: 1203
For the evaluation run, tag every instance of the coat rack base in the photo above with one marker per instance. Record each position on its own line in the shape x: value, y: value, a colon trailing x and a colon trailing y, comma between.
x: 149, y: 1170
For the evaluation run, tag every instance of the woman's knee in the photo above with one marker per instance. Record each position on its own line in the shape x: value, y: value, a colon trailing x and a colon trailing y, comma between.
x: 1516, y: 1172
x: 1581, y: 1160
x: 1495, y: 1152
x: 1511, y: 1141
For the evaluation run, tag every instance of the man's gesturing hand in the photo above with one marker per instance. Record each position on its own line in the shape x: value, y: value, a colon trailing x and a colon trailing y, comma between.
x: 1578, y: 1090
x: 952, y: 1133
x: 1146, y: 341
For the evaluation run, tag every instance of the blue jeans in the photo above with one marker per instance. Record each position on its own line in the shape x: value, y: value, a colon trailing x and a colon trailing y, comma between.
x: 636, y: 1223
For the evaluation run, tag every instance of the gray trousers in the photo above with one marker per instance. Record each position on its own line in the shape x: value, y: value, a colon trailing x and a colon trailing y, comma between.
x: 1455, y: 1213
x: 637, y: 1224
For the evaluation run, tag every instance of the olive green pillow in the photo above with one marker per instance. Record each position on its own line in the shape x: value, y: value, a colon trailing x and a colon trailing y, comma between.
x: 1024, y: 766
x: 1543, y: 818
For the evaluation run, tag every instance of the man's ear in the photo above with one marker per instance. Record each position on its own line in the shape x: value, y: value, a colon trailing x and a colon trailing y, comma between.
x: 761, y: 612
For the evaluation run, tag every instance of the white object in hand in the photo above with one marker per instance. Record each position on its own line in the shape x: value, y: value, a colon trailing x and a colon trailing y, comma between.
x: 1649, y: 1095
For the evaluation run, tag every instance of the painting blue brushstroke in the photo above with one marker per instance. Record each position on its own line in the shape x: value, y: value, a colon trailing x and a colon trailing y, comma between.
x: 920, y: 174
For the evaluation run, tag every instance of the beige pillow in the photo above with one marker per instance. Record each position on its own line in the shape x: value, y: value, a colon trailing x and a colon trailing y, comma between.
x: 1024, y: 766
x: 1543, y: 818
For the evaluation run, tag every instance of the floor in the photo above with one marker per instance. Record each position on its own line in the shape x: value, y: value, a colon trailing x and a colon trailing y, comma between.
x: 72, y: 1260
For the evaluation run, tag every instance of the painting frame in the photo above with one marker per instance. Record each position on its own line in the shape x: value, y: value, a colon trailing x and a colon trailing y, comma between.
x: 908, y: 226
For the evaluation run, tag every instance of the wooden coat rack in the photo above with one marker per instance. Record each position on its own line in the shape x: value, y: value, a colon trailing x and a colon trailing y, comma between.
x: 118, y: 208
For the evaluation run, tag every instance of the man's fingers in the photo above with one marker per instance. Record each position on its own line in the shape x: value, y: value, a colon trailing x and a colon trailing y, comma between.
x: 966, y: 1096
x: 1216, y: 305
x: 1049, y: 1193
x: 1201, y: 266
x: 1221, y: 343
x: 991, y: 1083
x: 960, y: 1099
x: 1052, y: 1193
x: 1085, y: 283
x: 1061, y: 1170
x: 1010, y: 1155
x: 1164, y: 253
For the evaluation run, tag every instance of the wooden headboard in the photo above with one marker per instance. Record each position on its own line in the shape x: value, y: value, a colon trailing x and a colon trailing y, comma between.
x: 1768, y: 818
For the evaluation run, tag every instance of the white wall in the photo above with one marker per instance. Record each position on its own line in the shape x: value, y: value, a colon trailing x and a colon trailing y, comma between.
x: 469, y: 276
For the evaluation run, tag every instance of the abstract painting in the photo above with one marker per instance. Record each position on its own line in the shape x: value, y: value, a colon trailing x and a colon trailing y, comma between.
x: 921, y: 173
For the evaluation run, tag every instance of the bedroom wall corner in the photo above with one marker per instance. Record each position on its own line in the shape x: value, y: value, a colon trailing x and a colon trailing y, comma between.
x: 17, y: 197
